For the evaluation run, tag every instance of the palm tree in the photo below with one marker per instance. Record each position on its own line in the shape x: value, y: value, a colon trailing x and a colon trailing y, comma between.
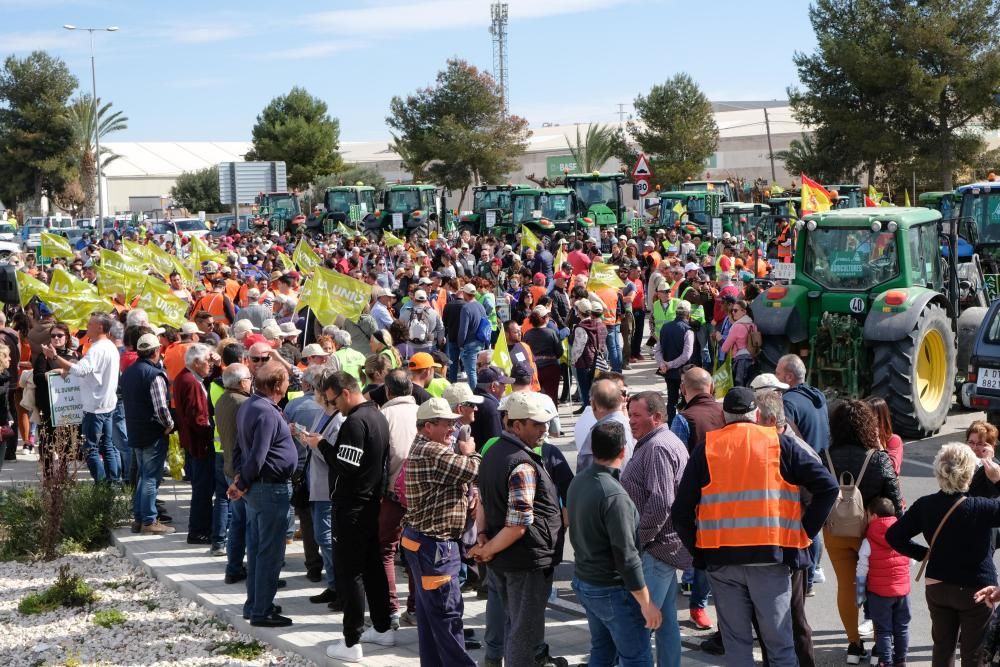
x: 595, y: 149
x: 88, y: 116
x: 802, y: 156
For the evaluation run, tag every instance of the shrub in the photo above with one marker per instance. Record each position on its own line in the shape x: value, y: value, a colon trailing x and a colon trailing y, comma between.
x: 69, y: 590
x: 241, y: 650
x: 20, y: 522
x: 109, y: 617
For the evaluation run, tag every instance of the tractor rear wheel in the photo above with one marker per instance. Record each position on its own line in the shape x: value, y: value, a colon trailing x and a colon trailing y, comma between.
x: 373, y: 235
x: 774, y: 348
x: 916, y: 375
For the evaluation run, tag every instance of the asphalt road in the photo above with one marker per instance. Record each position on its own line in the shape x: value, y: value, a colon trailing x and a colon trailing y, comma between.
x: 829, y: 639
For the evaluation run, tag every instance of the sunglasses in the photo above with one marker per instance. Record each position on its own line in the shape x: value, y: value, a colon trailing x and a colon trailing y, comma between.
x: 258, y: 360
x: 58, y: 335
x: 468, y: 405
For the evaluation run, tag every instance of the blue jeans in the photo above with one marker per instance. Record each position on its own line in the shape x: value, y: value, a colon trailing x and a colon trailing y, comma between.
x: 119, y: 436
x: 617, y: 628
x: 322, y: 516
x: 584, y: 380
x: 661, y: 580
x: 202, y: 488
x: 454, y: 355
x: 700, y: 588
x: 469, y: 353
x: 765, y: 591
x: 614, y: 347
x: 236, y: 538
x: 99, y: 449
x: 891, y: 618
x: 267, y: 514
x: 435, y: 565
x: 220, y: 510
x: 149, y: 462
x: 815, y: 553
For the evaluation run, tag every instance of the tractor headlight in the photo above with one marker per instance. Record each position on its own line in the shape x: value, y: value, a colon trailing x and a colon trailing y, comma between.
x: 876, y: 227
x: 799, y: 224
x: 892, y: 226
x: 811, y: 225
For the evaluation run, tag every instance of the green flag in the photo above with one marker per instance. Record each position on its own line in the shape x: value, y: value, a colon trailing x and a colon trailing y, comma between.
x: 329, y: 293
x: 605, y: 275
x: 56, y: 246
x: 28, y: 287
x: 306, y: 257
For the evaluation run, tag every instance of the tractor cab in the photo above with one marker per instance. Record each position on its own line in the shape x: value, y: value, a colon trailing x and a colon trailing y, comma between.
x: 545, y: 210
x: 698, y: 207
x: 599, y: 197
x: 280, y: 210
x: 407, y: 210
x: 847, y: 196
x: 873, y: 310
x: 490, y: 208
x: 724, y: 188
x: 348, y: 204
x: 741, y: 218
x: 944, y: 201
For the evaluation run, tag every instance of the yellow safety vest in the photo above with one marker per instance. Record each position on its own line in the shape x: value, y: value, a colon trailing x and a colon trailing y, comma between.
x: 215, y: 392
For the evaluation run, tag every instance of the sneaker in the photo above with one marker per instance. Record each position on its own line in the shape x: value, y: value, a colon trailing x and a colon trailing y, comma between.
x: 216, y: 551
x: 700, y: 619
x: 156, y: 528
x: 866, y: 629
x: 344, y: 653
x: 235, y: 578
x: 373, y: 636
x: 810, y: 593
x: 686, y: 590
x: 394, y: 621
x: 408, y: 618
x: 818, y: 576
x: 856, y: 653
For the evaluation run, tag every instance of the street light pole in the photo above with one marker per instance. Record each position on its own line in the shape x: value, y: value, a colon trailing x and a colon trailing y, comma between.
x: 97, y: 129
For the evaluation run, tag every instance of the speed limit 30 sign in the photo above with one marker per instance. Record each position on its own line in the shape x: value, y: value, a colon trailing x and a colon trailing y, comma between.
x: 642, y: 187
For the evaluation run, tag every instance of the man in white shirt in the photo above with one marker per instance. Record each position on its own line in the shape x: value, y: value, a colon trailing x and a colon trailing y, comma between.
x: 98, y: 374
x: 607, y: 399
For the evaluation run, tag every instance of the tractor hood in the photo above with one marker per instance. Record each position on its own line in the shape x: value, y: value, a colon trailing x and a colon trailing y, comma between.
x: 602, y: 215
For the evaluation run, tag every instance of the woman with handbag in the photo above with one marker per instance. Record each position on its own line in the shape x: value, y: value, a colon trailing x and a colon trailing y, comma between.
x: 588, y: 350
x: 856, y: 455
x: 959, y: 560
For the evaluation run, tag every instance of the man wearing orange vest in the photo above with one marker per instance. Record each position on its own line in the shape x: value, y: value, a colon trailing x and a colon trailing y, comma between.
x: 610, y: 297
x: 217, y: 303
x: 785, y: 239
x: 739, y: 513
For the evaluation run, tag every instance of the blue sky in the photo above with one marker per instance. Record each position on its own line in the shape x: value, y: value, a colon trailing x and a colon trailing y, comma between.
x: 200, y: 71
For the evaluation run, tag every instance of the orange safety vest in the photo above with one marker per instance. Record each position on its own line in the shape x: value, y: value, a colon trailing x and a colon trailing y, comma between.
x: 214, y: 303
x: 441, y: 301
x: 747, y: 502
x: 784, y: 252
x: 232, y: 289
x: 537, y: 292
x: 609, y: 296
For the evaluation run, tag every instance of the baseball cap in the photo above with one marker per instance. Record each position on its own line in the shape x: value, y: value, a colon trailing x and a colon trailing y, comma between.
x: 189, y: 328
x: 459, y: 393
x: 435, y: 408
x: 424, y: 281
x: 768, y: 381
x: 739, y: 401
x: 147, y: 342
x: 672, y: 249
x: 242, y: 326
x: 538, y: 276
x: 541, y: 311
x: 314, y: 350
x: 422, y: 360
x: 492, y: 374
x: 469, y: 288
x: 583, y: 306
x: 521, y: 375
x: 420, y: 295
x: 683, y: 306
x: 253, y: 294
x: 560, y: 275
x: 272, y: 332
x: 528, y: 405
x: 691, y: 266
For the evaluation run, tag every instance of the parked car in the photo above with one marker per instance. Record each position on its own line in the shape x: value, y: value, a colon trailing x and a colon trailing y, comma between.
x: 178, y: 227
x: 224, y: 222
x: 8, y: 231
x: 984, y: 365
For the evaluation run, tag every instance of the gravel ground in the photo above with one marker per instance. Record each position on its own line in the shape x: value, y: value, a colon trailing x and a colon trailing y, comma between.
x: 161, y: 628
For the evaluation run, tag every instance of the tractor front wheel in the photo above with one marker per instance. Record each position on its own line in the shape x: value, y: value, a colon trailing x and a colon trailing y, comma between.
x: 916, y: 375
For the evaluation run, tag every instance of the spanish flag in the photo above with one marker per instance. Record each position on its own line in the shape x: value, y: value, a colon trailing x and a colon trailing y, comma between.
x: 815, y: 197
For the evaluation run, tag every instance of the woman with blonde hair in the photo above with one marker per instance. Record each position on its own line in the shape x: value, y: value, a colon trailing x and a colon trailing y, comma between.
x: 959, y: 530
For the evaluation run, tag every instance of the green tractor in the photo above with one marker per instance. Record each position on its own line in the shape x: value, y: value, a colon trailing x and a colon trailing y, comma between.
x: 491, y: 209
x: 545, y: 210
x: 280, y: 211
x: 722, y: 187
x: 945, y: 201
x: 873, y: 309
x: 408, y: 211
x: 847, y: 195
x: 352, y: 205
x: 699, y: 206
x: 599, y: 197
x: 741, y: 218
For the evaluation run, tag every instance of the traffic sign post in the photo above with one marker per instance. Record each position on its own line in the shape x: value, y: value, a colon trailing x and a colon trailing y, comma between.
x: 641, y: 170
x: 642, y: 187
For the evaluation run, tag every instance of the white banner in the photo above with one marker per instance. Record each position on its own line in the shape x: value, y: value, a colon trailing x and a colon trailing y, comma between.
x: 66, y: 399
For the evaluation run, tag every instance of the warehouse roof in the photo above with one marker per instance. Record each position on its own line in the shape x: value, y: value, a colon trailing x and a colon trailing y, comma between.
x: 169, y: 159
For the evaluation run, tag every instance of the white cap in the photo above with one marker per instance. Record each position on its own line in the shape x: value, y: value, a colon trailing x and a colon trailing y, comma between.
x: 691, y: 266
x: 242, y: 326
x: 435, y: 408
x: 582, y: 306
x: 314, y: 350
x: 189, y: 328
x: 540, y: 310
x: 459, y: 393
x: 683, y: 306
x: 424, y: 281
x: 469, y: 288
x: 420, y: 296
x: 147, y: 342
x: 768, y: 381
x: 272, y: 332
x: 527, y: 405
x: 288, y: 329
x: 253, y: 294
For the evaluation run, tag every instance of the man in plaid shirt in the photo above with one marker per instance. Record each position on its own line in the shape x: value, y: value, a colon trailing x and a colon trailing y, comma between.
x: 437, y: 482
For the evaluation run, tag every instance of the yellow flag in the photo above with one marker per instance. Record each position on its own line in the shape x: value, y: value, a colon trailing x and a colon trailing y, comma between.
x: 135, y: 250
x: 200, y: 252
x: 390, y: 239
x: 604, y: 275
x: 791, y: 209
x: 28, y: 287
x: 330, y: 293
x: 501, y: 354
x: 906, y: 198
x: 64, y: 285
x: 286, y: 262
x: 528, y: 238
x: 111, y: 283
x: 76, y: 309
x: 160, y: 259
x: 55, y: 246
x: 186, y: 273
x: 560, y: 257
x: 306, y: 257
x: 679, y: 209
x: 120, y: 264
x: 164, y: 308
x: 345, y: 231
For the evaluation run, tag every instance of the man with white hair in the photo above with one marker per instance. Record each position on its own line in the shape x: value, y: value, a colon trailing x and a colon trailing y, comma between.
x: 747, y: 563
x: 805, y: 405
x: 346, y: 357
x: 137, y: 317
x: 254, y: 311
x: 194, y: 426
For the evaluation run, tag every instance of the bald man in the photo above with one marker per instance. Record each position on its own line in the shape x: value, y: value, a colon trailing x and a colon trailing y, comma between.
x: 702, y: 413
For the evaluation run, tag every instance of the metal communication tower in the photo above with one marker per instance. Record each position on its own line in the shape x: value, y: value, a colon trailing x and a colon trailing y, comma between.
x: 498, y: 28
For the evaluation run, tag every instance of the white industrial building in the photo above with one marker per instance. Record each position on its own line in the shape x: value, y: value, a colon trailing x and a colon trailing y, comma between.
x: 150, y: 169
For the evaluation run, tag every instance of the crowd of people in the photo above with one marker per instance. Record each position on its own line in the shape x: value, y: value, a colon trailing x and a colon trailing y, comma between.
x: 419, y: 432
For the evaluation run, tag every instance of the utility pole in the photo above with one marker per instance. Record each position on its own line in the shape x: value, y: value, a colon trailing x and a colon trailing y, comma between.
x: 770, y: 149
x: 621, y: 113
x: 498, y: 29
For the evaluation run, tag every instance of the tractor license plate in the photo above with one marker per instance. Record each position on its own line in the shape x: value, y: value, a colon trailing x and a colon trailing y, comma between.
x: 989, y: 378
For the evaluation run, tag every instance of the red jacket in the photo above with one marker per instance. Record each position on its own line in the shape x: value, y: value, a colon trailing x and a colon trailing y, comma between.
x: 888, y: 570
x: 193, y: 424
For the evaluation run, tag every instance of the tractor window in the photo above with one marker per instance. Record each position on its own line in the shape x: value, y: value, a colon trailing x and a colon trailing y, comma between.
x: 925, y: 256
x: 402, y: 201
x: 427, y: 200
x: 555, y: 207
x: 985, y: 210
x: 992, y: 334
x: 670, y: 211
x: 854, y: 258
x: 485, y: 199
x: 338, y: 202
x: 597, y: 192
x: 523, y: 206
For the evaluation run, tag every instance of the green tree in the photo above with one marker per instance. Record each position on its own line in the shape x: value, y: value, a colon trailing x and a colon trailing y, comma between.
x: 458, y: 129
x: 198, y: 190
x: 351, y: 175
x: 816, y: 156
x: 676, y: 129
x: 88, y: 116
x: 412, y: 162
x: 296, y: 128
x: 593, y: 149
x: 36, y: 133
